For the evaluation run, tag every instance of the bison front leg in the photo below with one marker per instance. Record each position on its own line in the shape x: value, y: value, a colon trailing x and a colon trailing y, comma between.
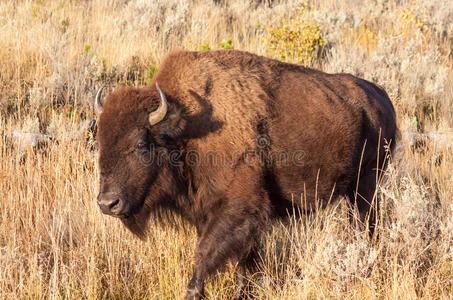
x: 229, y: 236
x: 195, y: 288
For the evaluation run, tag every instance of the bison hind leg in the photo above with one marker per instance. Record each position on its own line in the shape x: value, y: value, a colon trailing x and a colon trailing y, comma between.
x: 242, y: 283
x: 364, y: 202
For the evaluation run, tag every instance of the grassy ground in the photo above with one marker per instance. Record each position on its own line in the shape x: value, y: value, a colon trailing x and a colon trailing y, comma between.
x: 54, y: 242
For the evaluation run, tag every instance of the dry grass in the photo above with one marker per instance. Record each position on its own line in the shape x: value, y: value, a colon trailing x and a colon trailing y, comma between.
x: 54, y: 242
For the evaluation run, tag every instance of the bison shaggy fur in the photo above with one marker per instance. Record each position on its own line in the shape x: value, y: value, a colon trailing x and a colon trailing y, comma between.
x: 244, y: 139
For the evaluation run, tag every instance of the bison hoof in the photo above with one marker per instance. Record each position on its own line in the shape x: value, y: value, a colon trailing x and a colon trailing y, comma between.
x: 193, y: 294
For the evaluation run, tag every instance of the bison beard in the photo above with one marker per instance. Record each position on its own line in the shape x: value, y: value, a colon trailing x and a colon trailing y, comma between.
x: 230, y: 140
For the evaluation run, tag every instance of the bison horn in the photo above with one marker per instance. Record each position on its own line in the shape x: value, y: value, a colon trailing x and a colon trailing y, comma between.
x: 158, y: 115
x: 97, y: 103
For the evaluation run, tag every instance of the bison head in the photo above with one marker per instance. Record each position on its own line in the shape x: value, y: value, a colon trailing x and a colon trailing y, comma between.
x: 138, y: 129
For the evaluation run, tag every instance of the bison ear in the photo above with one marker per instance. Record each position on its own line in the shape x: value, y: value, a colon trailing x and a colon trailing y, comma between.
x: 172, y: 126
x: 166, y: 121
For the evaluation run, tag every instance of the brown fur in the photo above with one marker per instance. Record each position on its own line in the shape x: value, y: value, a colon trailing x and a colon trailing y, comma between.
x: 249, y: 111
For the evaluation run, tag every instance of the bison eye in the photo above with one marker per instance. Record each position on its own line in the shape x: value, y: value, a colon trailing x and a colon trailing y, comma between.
x: 141, y: 145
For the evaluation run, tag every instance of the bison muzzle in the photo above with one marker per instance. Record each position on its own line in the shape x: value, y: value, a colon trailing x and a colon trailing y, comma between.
x: 232, y: 140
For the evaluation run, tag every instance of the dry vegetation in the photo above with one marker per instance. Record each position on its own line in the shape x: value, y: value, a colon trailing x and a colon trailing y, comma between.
x: 54, y: 242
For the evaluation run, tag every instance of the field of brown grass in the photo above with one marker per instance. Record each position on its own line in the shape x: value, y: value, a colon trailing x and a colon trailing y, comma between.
x: 55, y: 243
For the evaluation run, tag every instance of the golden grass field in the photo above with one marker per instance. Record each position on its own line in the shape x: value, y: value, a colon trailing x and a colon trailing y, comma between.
x: 56, y: 244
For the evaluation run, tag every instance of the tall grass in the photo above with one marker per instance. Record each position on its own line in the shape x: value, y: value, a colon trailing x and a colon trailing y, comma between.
x: 55, y: 243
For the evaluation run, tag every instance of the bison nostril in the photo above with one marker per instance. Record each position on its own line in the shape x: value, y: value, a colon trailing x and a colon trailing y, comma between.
x: 113, y: 204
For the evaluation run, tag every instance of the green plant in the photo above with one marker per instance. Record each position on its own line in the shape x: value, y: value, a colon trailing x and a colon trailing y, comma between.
x: 204, y: 47
x: 295, y: 39
x: 149, y: 73
x: 95, y: 68
x: 226, y: 44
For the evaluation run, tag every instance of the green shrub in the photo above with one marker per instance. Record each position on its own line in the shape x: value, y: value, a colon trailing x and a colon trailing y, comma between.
x: 224, y: 44
x: 149, y: 73
x: 295, y: 39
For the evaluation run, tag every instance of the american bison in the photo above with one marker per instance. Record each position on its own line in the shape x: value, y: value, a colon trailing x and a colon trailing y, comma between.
x: 230, y: 140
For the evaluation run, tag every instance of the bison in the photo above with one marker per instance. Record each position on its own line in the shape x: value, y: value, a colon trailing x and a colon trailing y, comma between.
x: 230, y: 140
